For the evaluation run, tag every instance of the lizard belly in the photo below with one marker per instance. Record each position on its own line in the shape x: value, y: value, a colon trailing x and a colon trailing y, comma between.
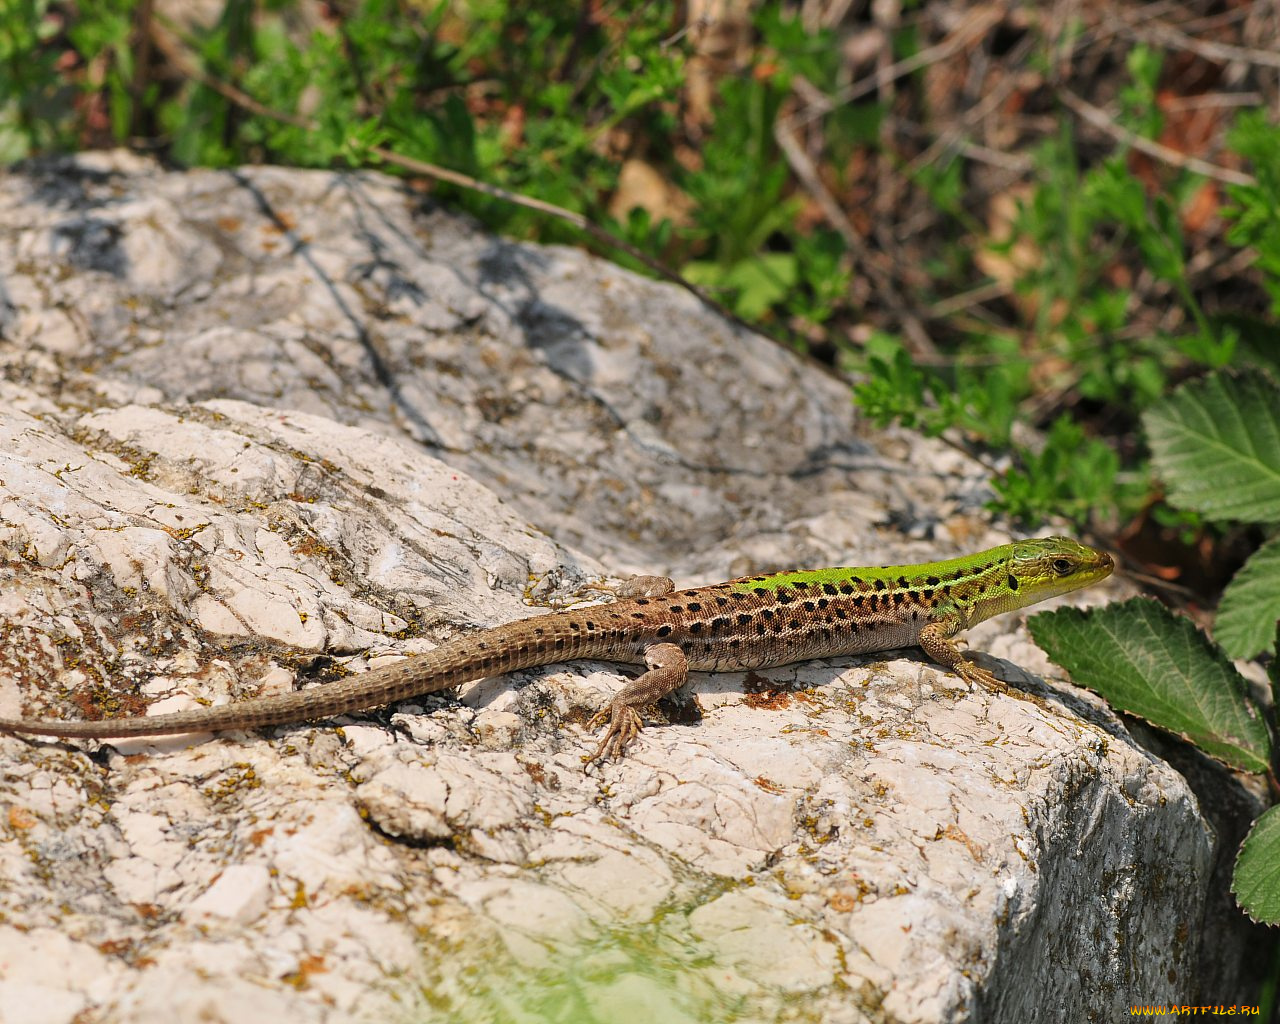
x: 736, y: 653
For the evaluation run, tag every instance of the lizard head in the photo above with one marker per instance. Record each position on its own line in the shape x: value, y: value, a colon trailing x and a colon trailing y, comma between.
x: 1044, y: 568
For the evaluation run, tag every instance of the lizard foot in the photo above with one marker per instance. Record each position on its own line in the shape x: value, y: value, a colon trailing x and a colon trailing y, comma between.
x: 668, y: 669
x: 624, y: 726
x: 972, y: 673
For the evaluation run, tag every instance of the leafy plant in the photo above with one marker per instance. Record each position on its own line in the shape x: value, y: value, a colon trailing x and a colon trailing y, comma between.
x: 1149, y: 663
x: 33, y: 101
x: 1068, y: 474
x: 1063, y: 240
x: 1216, y: 444
x: 896, y: 390
x: 740, y: 201
x: 1071, y: 476
x: 1256, y: 209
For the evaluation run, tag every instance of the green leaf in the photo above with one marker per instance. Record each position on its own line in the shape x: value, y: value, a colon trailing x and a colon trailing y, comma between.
x: 1070, y: 475
x: 1145, y: 661
x: 1250, y: 607
x: 1216, y: 444
x: 1256, y: 209
x: 757, y: 282
x: 894, y: 389
x: 1256, y: 880
x: 1138, y: 100
x: 1258, y: 340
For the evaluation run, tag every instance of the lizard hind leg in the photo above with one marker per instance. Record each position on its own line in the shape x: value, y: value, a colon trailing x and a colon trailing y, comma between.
x: 645, y: 586
x: 667, y: 671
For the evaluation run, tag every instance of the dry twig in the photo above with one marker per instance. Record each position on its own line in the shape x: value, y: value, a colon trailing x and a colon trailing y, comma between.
x: 1099, y: 119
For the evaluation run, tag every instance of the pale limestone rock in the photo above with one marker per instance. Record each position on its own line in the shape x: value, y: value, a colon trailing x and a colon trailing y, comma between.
x: 239, y: 896
x: 218, y: 461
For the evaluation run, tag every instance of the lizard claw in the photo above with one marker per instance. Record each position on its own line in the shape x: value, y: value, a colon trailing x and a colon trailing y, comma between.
x: 667, y: 670
x: 979, y: 676
x: 624, y: 726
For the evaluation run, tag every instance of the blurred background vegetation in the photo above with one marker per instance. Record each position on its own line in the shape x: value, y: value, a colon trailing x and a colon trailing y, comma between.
x: 1014, y: 226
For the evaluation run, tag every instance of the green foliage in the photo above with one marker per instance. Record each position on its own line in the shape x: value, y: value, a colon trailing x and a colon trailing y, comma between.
x: 34, y: 105
x: 1257, y: 342
x: 981, y: 403
x: 107, y: 34
x: 1256, y: 879
x: 1077, y: 224
x: 1058, y: 223
x: 1250, y: 605
x: 894, y: 389
x: 823, y: 276
x: 1154, y: 225
x: 754, y: 284
x: 1119, y: 197
x: 1273, y: 671
x: 1138, y: 99
x: 1216, y: 445
x: 740, y: 201
x: 1257, y: 207
x: 380, y: 75
x: 1070, y: 476
x: 535, y: 99
x: 944, y: 182
x: 798, y: 48
x: 1150, y: 663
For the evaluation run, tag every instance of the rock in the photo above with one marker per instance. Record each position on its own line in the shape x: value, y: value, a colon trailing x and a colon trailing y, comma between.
x: 273, y: 422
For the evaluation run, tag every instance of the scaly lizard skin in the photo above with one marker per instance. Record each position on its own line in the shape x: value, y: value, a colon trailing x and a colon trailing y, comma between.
x: 749, y: 623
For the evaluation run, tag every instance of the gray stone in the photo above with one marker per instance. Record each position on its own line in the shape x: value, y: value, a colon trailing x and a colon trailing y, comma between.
x: 256, y: 420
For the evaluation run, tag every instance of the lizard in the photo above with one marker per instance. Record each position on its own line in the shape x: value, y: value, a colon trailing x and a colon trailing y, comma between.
x: 755, y: 622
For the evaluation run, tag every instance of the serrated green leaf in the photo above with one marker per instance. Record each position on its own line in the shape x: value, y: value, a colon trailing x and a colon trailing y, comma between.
x: 1250, y: 607
x: 1144, y: 660
x: 1256, y: 879
x: 1216, y: 443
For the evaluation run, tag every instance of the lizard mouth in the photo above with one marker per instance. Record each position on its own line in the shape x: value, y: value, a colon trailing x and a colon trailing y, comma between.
x: 1102, y: 567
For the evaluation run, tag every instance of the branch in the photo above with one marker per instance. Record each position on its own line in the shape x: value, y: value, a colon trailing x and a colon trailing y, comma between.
x: 1099, y: 119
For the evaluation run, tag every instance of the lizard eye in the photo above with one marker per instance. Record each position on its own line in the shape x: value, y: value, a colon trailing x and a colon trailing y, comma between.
x: 1061, y: 566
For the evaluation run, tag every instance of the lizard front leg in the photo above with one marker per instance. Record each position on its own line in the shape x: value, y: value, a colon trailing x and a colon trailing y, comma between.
x: 668, y: 670
x: 935, y: 640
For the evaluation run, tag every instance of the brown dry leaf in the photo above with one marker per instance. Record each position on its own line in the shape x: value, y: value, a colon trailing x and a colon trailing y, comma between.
x: 640, y: 185
x: 1007, y: 266
x: 1200, y: 212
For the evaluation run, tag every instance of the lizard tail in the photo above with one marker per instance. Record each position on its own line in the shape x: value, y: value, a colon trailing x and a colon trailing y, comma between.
x: 507, y: 648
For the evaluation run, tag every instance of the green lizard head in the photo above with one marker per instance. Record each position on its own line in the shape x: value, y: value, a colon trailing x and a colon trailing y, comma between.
x: 1040, y: 569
